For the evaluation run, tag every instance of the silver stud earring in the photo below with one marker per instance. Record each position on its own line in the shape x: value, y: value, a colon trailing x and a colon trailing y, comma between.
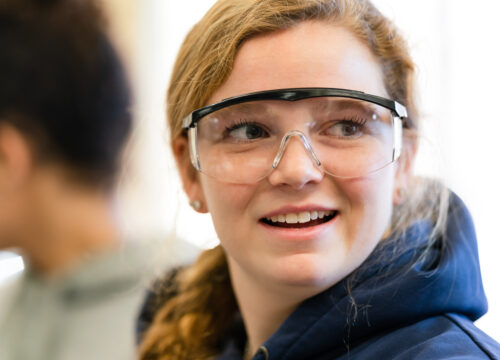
x: 195, y: 204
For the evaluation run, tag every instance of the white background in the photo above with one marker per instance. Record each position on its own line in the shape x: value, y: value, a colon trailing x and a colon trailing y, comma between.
x: 455, y: 45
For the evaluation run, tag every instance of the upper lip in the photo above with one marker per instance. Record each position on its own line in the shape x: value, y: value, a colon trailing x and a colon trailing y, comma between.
x: 290, y: 209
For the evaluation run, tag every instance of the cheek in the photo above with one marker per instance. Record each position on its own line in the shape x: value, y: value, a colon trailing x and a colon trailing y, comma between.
x: 228, y: 205
x: 370, y: 206
x: 15, y: 209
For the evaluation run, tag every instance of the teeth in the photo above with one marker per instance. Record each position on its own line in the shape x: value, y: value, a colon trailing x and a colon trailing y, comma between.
x: 291, y: 218
x: 302, y: 217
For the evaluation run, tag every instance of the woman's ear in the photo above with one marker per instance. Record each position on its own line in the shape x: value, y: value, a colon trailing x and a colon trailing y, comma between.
x: 404, y: 168
x: 16, y: 160
x: 189, y: 176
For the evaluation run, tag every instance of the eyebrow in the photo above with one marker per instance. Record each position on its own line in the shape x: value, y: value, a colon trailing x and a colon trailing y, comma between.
x: 337, y: 104
x: 254, y: 108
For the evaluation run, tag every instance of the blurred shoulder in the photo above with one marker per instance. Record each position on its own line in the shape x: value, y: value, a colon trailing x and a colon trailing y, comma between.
x: 8, y: 290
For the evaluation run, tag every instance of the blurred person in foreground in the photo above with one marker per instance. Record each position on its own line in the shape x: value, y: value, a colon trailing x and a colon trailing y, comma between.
x: 64, y: 118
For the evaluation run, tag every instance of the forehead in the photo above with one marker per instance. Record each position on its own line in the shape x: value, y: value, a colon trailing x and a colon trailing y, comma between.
x: 311, y: 54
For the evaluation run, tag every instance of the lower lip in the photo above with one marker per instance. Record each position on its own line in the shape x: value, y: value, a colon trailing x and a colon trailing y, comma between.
x: 304, y: 234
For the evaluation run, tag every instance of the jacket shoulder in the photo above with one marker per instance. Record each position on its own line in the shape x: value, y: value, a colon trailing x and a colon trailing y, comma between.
x: 441, y: 337
x: 487, y: 344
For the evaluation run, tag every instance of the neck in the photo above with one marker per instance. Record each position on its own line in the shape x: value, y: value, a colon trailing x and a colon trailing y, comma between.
x: 263, y: 307
x: 67, y: 224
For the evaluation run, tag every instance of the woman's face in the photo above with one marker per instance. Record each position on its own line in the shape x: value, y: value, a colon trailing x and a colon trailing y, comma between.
x: 312, y: 54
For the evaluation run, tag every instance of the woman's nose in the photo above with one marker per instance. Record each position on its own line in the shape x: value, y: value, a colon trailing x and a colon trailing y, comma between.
x: 296, y: 164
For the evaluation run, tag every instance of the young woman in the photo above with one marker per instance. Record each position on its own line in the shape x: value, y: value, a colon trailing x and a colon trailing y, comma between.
x: 294, y: 125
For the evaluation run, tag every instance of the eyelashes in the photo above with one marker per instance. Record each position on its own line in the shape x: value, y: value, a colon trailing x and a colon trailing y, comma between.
x: 244, y: 130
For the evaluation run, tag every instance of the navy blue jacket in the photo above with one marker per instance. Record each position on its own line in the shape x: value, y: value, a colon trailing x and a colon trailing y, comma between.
x: 423, y: 312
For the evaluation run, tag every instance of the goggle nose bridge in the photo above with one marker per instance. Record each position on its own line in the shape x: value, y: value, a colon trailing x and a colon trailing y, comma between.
x: 305, y: 143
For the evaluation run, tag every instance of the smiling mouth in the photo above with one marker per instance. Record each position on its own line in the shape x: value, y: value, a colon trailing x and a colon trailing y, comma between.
x: 300, y: 220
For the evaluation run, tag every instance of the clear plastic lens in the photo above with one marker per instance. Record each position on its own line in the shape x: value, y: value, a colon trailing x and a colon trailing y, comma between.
x: 239, y: 143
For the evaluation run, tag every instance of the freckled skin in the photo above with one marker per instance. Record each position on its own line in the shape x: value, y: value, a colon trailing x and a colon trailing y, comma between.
x: 312, y: 54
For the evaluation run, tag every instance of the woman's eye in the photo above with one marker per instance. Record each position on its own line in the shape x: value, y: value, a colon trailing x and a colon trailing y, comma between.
x: 246, y: 132
x: 345, y: 129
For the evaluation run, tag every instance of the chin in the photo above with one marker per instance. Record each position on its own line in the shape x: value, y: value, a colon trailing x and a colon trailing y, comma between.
x: 307, y: 270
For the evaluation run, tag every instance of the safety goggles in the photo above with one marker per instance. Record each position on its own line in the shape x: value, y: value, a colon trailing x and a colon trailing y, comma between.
x: 346, y: 133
